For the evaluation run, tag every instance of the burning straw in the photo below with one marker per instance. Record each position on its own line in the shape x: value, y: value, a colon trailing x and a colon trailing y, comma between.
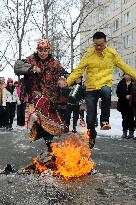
x: 70, y: 157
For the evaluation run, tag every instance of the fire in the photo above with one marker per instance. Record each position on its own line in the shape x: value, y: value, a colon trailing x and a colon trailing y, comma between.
x: 39, y: 166
x: 72, y: 157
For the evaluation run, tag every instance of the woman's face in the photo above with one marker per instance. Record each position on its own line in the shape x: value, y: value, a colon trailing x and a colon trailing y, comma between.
x: 43, y: 53
x: 10, y: 84
x: 16, y: 85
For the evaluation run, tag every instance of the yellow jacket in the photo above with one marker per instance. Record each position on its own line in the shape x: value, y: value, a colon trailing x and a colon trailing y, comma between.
x: 99, y: 68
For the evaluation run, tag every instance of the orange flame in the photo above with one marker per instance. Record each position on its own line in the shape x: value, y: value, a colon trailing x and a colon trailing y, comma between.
x: 39, y: 166
x: 72, y: 156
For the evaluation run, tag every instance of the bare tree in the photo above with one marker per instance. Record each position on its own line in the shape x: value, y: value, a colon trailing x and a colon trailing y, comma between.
x: 60, y: 21
x: 15, y: 16
x: 50, y: 26
x: 76, y: 22
x: 46, y: 9
x: 19, y: 19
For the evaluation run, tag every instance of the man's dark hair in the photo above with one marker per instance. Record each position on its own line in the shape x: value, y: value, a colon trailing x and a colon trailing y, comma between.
x: 99, y: 35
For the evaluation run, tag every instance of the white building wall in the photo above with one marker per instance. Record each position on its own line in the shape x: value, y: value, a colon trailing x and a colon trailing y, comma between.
x: 117, y: 19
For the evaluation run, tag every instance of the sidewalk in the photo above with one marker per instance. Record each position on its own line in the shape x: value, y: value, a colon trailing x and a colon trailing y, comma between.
x: 115, y: 122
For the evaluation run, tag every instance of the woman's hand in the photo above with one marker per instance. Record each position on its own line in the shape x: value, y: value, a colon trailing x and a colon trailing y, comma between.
x: 62, y: 83
x: 36, y: 69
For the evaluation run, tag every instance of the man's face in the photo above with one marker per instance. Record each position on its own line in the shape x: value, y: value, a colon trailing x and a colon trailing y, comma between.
x: 99, y: 44
x: 43, y: 52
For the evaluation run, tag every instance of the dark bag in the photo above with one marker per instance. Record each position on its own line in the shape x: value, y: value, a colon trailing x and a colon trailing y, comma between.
x: 119, y: 106
x: 22, y: 68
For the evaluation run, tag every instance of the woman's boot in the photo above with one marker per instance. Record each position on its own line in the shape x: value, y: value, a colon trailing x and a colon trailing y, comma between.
x: 48, y: 144
x: 10, y: 127
x: 124, y: 134
x: 131, y: 135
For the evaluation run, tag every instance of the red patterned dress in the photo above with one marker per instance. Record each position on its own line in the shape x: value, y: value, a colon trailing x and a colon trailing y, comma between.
x: 42, y: 90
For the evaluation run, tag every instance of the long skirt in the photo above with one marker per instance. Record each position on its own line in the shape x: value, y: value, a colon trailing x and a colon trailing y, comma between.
x: 43, y: 113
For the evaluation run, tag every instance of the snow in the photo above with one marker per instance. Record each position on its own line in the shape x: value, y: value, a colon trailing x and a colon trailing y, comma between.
x: 116, y: 125
x: 115, y: 122
x: 114, y: 132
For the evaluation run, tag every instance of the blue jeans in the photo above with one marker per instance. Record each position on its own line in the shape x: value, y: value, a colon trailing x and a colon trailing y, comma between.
x: 92, y: 98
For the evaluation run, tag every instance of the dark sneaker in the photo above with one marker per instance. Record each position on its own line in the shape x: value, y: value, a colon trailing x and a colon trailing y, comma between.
x: 124, y: 134
x: 66, y: 130
x: 131, y: 135
x: 7, y: 127
x: 10, y: 128
x: 74, y: 130
x: 105, y: 126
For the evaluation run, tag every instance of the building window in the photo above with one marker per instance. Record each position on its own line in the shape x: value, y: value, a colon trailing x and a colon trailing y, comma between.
x: 117, y: 4
x: 107, y: 30
x: 116, y: 45
x: 116, y: 24
x: 126, y: 1
x: 127, y: 18
x: 107, y: 11
x: 100, y: 16
x: 127, y: 61
x: 99, y: 2
x: 127, y: 41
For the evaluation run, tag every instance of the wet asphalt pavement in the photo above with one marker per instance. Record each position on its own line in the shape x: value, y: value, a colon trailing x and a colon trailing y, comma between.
x: 114, y: 183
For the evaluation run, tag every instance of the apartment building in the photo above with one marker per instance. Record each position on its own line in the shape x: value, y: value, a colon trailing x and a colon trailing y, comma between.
x: 117, y: 19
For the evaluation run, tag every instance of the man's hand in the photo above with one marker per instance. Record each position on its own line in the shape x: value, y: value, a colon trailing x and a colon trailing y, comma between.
x: 36, y: 69
x: 62, y: 83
